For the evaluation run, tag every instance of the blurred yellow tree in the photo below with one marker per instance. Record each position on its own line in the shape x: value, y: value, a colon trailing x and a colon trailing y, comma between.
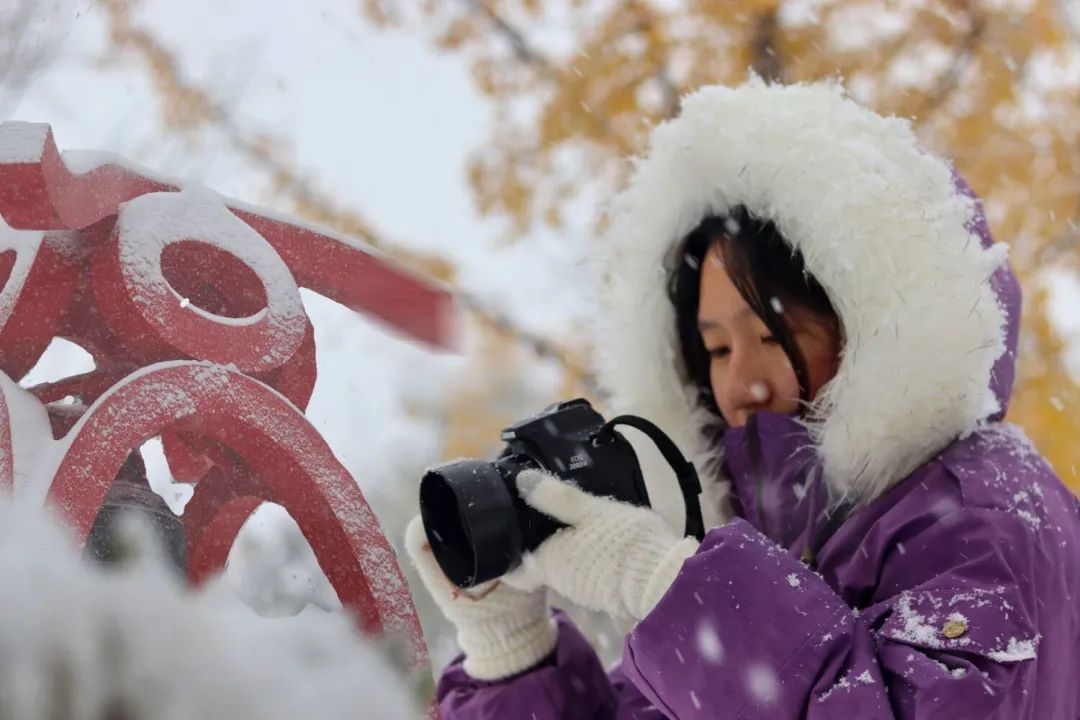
x: 993, y: 84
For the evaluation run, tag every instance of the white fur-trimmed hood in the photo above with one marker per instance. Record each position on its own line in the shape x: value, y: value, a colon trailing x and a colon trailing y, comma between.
x: 883, y: 227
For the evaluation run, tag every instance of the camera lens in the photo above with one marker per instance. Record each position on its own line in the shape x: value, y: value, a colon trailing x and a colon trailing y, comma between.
x: 471, y: 521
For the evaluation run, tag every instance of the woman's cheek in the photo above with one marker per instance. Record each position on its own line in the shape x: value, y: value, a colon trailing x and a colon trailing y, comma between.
x: 716, y: 382
x: 784, y: 383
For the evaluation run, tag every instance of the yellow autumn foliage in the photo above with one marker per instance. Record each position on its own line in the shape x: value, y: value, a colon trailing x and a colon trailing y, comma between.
x: 992, y: 84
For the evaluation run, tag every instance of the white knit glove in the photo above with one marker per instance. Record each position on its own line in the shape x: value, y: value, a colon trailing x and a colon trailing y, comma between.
x: 615, y: 557
x: 501, y: 630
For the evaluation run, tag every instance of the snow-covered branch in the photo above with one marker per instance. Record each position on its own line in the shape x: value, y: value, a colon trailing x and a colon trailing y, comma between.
x: 79, y: 643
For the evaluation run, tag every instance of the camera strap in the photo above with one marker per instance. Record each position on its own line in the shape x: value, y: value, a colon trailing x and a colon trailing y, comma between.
x: 685, y: 471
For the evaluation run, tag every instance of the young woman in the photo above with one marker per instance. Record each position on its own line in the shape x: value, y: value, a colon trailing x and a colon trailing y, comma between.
x: 813, y: 308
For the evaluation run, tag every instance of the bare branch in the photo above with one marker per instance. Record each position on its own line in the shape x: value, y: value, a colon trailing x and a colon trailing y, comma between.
x: 30, y: 33
x: 522, y: 48
x: 1066, y: 242
x: 965, y: 51
x: 764, y: 59
x: 672, y: 101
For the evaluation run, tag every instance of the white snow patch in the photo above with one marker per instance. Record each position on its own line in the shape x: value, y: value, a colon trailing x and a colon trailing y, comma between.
x: 916, y: 628
x: 1030, y: 518
x: 1009, y: 6
x: 22, y: 142
x: 35, y: 454
x: 845, y: 683
x: 176, y: 495
x: 801, y: 13
x: 61, y: 359
x: 920, y: 66
x: 852, y: 28
x: 80, y: 162
x: 842, y: 684
x: 1017, y: 650
x: 977, y: 597
x: 1063, y: 298
x: 133, y: 638
x: 25, y: 244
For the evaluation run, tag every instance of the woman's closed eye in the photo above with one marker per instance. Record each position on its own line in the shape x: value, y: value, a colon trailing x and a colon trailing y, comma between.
x: 722, y: 351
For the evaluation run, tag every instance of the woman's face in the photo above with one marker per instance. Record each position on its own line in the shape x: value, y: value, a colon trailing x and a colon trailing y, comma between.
x: 749, y: 370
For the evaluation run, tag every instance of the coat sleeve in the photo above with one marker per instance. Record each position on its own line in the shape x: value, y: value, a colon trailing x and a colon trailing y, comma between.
x: 571, y: 685
x: 747, y: 631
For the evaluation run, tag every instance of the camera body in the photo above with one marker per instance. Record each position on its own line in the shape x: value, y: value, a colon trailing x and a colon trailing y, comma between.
x: 477, y: 524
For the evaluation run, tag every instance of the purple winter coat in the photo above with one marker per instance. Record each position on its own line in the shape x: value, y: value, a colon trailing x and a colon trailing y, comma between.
x: 953, y: 594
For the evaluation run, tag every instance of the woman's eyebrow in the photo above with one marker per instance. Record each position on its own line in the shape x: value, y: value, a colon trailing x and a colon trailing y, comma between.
x: 711, y: 324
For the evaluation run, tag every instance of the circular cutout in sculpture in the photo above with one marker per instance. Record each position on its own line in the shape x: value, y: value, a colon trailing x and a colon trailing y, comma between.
x: 140, y: 304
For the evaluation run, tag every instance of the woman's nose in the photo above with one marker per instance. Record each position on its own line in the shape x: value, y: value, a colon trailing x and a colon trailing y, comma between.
x: 748, y: 387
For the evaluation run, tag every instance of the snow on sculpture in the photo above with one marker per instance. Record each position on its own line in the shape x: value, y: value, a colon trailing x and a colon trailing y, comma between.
x: 189, y: 305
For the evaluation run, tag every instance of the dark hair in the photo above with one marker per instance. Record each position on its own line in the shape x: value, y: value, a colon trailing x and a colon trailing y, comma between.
x: 765, y: 270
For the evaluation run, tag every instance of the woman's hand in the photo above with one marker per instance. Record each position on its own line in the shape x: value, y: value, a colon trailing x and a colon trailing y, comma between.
x: 501, y: 630
x: 614, y: 557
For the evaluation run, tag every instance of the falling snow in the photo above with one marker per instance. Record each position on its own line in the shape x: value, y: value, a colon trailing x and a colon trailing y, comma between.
x: 708, y: 644
x: 762, y: 683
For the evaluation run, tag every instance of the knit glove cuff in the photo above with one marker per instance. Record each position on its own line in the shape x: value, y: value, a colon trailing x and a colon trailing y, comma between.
x: 502, y: 630
x: 509, y: 640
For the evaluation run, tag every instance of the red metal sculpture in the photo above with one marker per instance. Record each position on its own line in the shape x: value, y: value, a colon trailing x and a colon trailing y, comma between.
x: 189, y: 305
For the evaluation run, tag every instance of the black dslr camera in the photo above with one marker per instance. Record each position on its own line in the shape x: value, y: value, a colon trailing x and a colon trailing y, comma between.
x: 478, y: 525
